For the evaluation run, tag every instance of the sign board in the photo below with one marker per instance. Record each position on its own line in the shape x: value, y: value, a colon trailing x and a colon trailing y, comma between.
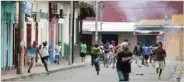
x: 28, y: 8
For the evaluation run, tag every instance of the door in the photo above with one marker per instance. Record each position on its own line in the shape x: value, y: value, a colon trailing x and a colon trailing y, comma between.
x: 15, y: 45
x: 147, y: 39
x: 6, y: 34
x: 87, y: 38
x: 110, y: 37
x: 29, y: 37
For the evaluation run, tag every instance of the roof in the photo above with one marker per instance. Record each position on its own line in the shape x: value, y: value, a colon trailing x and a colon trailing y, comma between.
x: 111, y: 12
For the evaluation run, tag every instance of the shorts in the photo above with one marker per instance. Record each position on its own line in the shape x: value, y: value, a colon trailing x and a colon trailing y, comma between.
x: 31, y: 59
x: 146, y: 57
x: 160, y: 64
x: 82, y: 54
x: 44, y: 58
x: 57, y: 57
x: 106, y: 55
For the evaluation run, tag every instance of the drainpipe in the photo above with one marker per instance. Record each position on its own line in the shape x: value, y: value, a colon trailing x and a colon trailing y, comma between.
x: 21, y: 38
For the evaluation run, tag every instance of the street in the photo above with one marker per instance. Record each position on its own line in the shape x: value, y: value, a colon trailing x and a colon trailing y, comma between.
x: 88, y: 74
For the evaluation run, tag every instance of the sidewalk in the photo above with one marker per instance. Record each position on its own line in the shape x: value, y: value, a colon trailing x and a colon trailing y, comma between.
x: 179, y: 72
x: 38, y: 70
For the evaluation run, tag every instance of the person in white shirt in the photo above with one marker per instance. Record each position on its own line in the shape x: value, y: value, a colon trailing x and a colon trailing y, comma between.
x: 58, y: 52
x: 44, y: 54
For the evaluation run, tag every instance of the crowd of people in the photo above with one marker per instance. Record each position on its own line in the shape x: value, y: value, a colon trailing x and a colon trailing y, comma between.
x: 121, y: 56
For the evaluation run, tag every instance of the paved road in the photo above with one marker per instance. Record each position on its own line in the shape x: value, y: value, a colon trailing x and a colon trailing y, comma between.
x: 88, y: 74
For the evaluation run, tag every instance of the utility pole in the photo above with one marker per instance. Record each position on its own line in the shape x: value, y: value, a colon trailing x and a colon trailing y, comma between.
x: 73, y: 18
x: 70, y: 34
x: 96, y: 22
x: 21, y: 38
x: 101, y: 14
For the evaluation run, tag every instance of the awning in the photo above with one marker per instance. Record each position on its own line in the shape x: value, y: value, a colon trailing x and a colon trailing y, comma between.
x: 109, y: 26
x: 152, y: 28
x: 86, y: 10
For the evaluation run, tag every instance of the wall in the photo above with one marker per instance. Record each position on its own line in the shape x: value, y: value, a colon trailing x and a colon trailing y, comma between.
x: 43, y: 5
x: 43, y: 24
x: 172, y: 44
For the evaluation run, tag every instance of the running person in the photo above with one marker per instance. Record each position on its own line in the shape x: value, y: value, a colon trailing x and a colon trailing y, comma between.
x: 58, y: 52
x: 106, y: 54
x: 112, y: 51
x: 83, y: 51
x: 44, y: 54
x: 123, y: 65
x: 146, y: 53
x: 138, y: 54
x: 32, y: 51
x: 160, y: 55
x: 96, y: 57
x: 93, y: 44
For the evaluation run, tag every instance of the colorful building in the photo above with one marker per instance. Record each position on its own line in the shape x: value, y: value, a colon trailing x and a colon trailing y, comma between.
x: 7, y: 20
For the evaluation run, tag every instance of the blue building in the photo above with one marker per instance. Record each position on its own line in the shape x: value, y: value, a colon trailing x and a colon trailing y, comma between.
x: 7, y: 21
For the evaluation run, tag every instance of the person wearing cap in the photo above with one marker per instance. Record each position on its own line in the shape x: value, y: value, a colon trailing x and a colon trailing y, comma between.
x: 32, y: 51
x: 123, y: 64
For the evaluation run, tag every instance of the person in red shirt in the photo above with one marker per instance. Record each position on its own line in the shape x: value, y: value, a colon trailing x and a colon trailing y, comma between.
x: 160, y: 55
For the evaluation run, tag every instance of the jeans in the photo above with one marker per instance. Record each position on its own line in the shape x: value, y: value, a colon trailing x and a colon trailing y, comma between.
x: 106, y: 58
x: 92, y: 59
x: 96, y: 60
x: 123, y: 76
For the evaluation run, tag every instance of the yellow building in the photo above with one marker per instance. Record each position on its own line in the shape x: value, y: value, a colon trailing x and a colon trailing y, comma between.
x: 173, y: 35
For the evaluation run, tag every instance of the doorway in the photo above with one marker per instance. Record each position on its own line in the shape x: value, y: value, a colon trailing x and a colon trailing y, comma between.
x: 29, y: 38
x: 147, y: 39
x: 110, y: 37
x: 87, y: 38
x: 15, y: 45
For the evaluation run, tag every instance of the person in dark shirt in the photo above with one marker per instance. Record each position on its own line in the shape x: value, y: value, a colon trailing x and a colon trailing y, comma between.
x: 123, y: 65
x: 160, y: 55
x: 138, y: 54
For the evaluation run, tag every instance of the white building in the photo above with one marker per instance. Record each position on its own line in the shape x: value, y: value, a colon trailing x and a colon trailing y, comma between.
x: 117, y: 31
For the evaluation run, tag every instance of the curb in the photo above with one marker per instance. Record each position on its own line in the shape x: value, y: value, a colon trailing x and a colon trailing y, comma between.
x: 23, y: 76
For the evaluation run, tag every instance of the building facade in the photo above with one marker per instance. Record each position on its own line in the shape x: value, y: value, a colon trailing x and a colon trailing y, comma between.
x: 7, y: 20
